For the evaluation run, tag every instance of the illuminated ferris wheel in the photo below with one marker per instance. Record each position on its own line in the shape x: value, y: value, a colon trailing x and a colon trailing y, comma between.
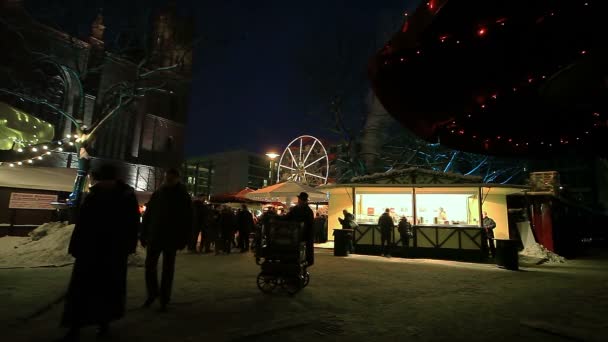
x: 304, y: 161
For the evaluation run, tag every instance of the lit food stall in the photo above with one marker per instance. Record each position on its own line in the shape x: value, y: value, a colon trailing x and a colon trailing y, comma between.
x: 445, y: 216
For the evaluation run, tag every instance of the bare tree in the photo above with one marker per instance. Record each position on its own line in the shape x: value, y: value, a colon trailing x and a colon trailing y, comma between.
x: 47, y: 80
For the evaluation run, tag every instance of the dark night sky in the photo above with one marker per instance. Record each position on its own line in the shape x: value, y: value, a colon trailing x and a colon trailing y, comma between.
x: 250, y: 87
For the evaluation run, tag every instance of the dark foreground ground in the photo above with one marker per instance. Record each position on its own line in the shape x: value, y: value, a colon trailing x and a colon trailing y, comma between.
x: 357, y: 298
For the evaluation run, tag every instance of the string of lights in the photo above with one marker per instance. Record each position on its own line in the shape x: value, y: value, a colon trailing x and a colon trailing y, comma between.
x: 460, y: 124
x: 37, y: 152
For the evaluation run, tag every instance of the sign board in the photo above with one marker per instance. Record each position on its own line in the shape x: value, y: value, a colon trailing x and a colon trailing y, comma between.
x: 21, y: 200
x: 370, y: 211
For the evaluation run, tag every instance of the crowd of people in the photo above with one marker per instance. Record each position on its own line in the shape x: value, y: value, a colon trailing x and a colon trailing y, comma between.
x: 109, y: 226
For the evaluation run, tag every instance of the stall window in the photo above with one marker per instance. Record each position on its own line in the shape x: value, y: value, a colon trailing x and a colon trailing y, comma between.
x: 447, y: 206
x: 370, y: 204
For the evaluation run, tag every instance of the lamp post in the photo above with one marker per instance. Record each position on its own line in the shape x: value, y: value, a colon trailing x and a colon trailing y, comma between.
x: 272, y: 156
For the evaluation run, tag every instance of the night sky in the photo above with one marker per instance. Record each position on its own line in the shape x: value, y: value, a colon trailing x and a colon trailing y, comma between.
x: 259, y: 77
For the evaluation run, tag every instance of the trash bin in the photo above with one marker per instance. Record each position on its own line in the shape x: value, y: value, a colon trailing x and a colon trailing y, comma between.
x: 342, y: 239
x: 507, y: 253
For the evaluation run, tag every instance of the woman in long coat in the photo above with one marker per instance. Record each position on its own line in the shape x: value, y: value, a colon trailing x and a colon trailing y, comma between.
x: 104, y: 235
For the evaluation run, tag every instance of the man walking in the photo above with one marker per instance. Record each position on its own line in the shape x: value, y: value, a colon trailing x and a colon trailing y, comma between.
x: 166, y: 229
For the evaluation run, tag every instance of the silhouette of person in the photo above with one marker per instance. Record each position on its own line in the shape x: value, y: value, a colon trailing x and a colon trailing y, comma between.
x: 104, y: 235
x: 166, y: 229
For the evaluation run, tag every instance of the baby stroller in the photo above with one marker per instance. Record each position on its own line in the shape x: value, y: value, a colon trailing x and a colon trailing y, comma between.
x: 281, y: 253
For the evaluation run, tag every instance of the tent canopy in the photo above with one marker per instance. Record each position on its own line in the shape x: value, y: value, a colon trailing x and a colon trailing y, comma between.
x: 233, y: 197
x: 282, y: 192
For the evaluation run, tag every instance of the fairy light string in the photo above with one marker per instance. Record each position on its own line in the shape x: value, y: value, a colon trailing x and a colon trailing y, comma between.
x: 484, y: 103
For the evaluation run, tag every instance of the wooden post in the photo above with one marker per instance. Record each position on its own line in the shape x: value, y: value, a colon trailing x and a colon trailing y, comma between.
x: 13, y: 218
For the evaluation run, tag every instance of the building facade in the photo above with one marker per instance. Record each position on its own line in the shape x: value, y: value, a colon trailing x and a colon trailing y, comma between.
x: 78, y: 77
x: 229, y: 172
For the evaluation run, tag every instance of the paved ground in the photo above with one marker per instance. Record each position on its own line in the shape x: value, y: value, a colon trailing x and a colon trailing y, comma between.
x: 357, y: 298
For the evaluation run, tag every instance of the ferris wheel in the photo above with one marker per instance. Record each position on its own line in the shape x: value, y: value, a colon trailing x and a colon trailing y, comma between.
x: 304, y: 161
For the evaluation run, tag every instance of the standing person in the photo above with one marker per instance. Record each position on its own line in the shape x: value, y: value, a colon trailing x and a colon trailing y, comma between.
x: 319, y: 225
x: 488, y: 227
x: 442, y: 216
x: 166, y: 229
x: 245, y: 226
x: 386, y: 224
x: 227, y: 228
x: 198, y: 221
x: 104, y: 235
x: 302, y: 213
x: 405, y: 230
x: 348, y: 222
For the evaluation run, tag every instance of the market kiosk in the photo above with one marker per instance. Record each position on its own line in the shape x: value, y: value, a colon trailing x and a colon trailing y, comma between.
x: 445, y: 216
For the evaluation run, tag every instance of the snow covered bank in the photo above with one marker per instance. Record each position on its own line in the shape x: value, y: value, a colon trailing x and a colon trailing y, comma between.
x: 536, y: 250
x: 46, y: 245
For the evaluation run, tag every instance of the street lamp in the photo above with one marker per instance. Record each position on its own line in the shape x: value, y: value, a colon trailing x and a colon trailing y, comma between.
x: 272, y: 156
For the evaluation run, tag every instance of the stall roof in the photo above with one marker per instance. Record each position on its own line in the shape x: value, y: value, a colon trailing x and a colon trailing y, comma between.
x: 46, y: 178
x: 38, y: 178
x: 504, y: 189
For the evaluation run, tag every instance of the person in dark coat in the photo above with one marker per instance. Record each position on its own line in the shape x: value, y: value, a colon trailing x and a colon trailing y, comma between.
x: 244, y: 220
x: 302, y: 213
x: 166, y: 229
x: 386, y: 224
x: 104, y: 235
x: 198, y: 222
x: 319, y: 226
x: 405, y: 230
x: 227, y: 229
x: 348, y: 222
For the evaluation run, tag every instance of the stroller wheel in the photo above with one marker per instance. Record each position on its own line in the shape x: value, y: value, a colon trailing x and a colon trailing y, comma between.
x: 306, y: 279
x: 293, y: 284
x: 266, y: 283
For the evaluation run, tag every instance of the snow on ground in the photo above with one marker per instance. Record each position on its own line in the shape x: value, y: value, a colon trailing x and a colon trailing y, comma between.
x: 355, y: 298
x: 46, y: 246
x: 536, y: 250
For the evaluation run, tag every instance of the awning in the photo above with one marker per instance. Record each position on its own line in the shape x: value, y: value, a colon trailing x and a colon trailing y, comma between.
x: 233, y: 197
x: 38, y: 178
x: 282, y: 192
x: 47, y: 178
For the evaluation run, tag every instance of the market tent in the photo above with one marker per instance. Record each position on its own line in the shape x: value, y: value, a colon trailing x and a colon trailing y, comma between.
x: 283, y: 192
x: 233, y: 197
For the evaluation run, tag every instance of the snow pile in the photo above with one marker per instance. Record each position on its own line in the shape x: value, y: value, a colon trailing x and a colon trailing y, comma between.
x: 537, y: 250
x: 46, y: 245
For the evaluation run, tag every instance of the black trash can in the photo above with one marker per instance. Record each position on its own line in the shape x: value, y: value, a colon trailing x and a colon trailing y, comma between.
x: 342, y: 241
x: 507, y: 253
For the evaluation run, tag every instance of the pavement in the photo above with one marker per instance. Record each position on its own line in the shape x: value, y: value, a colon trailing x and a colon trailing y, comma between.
x: 354, y: 298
